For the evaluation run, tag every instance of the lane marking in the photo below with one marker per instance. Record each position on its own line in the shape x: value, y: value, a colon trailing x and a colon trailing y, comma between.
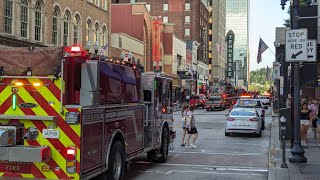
x: 221, y: 168
x: 203, y: 172
x: 213, y: 153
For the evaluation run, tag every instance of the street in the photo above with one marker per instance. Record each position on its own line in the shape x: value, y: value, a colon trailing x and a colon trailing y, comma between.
x: 217, y: 156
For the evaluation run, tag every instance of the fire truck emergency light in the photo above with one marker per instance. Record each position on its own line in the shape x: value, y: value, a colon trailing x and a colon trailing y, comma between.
x: 19, y: 84
x: 14, y: 101
x: 75, y: 49
x: 36, y: 84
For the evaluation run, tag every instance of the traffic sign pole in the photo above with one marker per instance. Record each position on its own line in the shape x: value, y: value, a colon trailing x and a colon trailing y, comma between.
x: 297, y: 150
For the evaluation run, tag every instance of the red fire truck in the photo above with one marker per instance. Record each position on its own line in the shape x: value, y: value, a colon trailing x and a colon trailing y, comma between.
x: 66, y: 115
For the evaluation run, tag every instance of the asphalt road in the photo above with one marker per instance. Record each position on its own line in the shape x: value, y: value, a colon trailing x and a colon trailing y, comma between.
x: 217, y: 157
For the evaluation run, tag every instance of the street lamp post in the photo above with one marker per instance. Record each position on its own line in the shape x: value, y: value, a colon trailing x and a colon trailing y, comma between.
x: 276, y: 44
x: 297, y: 151
x: 96, y: 47
x: 87, y: 46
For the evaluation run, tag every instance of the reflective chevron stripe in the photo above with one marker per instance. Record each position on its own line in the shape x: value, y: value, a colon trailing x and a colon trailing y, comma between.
x: 69, y: 135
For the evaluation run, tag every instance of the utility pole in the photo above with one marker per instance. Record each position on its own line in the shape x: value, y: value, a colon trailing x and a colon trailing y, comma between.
x: 297, y: 150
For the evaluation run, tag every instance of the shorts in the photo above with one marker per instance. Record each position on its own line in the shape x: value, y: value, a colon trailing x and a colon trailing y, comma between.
x: 304, y: 122
x: 193, y: 131
x: 183, y: 125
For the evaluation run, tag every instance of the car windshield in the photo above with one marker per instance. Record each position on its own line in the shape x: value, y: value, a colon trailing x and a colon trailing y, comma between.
x: 195, y: 97
x: 214, y: 99
x: 249, y: 103
x: 243, y: 112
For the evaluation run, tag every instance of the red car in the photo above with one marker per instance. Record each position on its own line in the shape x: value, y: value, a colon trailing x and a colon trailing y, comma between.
x: 198, y: 100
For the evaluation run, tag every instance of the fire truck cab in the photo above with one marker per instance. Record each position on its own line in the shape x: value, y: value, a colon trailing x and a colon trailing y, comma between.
x: 65, y: 114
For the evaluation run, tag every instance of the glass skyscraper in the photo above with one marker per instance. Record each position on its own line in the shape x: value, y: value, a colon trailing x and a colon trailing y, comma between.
x: 237, y: 20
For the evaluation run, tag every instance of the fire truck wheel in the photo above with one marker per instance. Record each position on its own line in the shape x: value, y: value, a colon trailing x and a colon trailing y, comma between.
x: 164, y: 147
x: 116, y: 164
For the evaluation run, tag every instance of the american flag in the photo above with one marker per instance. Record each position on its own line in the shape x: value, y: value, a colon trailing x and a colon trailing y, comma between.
x: 262, y: 47
x: 103, y: 49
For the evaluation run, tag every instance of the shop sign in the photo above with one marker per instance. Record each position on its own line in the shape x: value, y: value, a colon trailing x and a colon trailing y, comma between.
x: 230, y: 43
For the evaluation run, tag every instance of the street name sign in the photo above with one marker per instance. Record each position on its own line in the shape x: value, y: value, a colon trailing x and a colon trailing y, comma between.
x: 296, y: 45
x: 312, y: 50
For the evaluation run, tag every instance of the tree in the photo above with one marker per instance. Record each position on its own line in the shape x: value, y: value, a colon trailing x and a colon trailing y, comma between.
x: 259, y: 81
x: 286, y: 22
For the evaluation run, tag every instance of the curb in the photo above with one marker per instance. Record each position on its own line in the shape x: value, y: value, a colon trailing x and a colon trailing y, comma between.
x: 272, y: 160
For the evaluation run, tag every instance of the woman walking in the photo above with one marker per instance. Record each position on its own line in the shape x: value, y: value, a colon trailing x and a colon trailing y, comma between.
x: 304, y: 123
x: 184, y: 111
x: 192, y: 130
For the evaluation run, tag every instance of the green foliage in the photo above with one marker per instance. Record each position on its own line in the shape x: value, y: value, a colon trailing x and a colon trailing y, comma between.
x: 260, y: 80
x: 286, y: 22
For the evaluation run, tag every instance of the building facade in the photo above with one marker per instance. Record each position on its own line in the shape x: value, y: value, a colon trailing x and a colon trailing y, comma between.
x: 237, y: 20
x: 217, y: 42
x: 190, y: 19
x: 54, y: 23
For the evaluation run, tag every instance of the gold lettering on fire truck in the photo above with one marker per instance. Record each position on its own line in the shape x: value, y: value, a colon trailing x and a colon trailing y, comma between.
x: 12, y: 168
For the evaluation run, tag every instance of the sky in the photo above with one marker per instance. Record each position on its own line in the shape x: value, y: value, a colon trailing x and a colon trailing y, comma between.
x: 265, y: 16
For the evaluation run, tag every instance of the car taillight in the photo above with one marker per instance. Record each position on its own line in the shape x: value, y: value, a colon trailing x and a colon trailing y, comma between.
x: 254, y: 119
x: 71, y: 159
x: 230, y: 119
x: 45, y: 154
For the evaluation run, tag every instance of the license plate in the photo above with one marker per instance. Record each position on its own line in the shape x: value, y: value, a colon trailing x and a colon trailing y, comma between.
x: 15, y: 167
x: 50, y: 133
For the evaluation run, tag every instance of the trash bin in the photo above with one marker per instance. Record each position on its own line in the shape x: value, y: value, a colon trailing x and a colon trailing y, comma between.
x: 286, y: 112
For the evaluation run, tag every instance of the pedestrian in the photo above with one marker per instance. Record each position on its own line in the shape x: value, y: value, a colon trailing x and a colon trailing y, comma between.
x: 305, y: 115
x: 192, y: 130
x: 187, y: 99
x: 314, y: 108
x: 184, y: 126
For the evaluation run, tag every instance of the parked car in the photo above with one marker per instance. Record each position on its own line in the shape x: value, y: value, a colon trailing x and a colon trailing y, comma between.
x: 243, y: 120
x: 253, y: 103
x: 198, y: 100
x: 216, y: 102
x: 265, y: 100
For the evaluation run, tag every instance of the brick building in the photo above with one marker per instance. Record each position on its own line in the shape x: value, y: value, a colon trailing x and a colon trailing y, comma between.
x: 54, y: 22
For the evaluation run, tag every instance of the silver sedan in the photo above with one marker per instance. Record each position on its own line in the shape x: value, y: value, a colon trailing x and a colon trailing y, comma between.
x: 243, y: 120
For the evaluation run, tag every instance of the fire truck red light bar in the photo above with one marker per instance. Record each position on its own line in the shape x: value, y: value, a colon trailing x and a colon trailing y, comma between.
x: 75, y: 49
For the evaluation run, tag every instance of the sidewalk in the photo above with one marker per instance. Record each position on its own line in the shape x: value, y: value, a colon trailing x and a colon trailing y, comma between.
x: 308, y: 171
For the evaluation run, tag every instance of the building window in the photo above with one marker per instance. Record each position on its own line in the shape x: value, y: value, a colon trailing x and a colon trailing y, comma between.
x: 55, y: 25
x: 104, y: 4
x: 187, y: 32
x: 165, y: 19
x: 187, y: 19
x: 24, y: 18
x: 96, y: 32
x: 66, y: 28
x: 165, y: 7
x: 148, y: 6
x: 187, y: 7
x: 98, y: 3
x: 89, y: 27
x: 104, y: 36
x: 8, y: 16
x: 38, y: 21
x: 76, y: 29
